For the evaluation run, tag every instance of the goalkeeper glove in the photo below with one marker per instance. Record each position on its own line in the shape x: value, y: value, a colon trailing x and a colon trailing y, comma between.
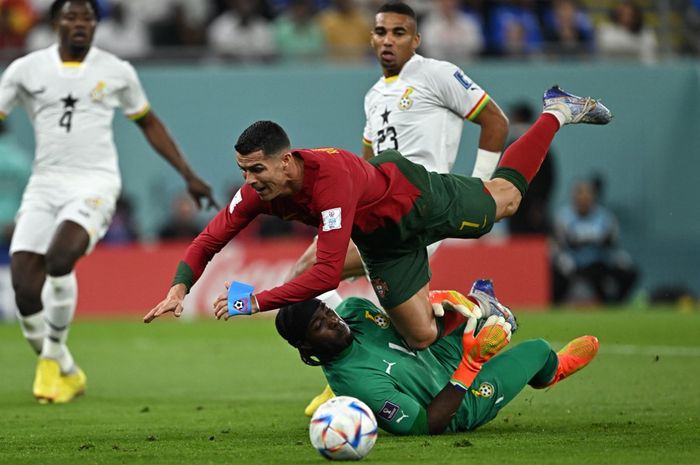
x: 479, y: 348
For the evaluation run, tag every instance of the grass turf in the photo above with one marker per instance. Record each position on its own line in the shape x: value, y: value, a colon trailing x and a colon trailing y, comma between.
x: 209, y: 392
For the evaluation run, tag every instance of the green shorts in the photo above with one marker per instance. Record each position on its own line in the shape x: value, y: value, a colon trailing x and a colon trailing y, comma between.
x: 450, y: 206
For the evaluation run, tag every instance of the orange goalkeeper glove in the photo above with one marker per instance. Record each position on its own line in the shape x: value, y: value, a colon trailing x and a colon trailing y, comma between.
x: 479, y: 348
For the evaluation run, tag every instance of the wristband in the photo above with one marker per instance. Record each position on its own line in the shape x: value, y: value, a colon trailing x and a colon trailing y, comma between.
x: 239, y: 299
x: 485, y: 164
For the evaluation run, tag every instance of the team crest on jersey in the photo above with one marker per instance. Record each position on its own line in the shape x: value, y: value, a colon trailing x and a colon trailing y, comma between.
x: 406, y: 102
x: 380, y: 287
x: 98, y: 93
x: 380, y: 320
x: 485, y: 390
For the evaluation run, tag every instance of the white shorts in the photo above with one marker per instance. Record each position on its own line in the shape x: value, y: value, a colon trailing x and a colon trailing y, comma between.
x: 44, y: 207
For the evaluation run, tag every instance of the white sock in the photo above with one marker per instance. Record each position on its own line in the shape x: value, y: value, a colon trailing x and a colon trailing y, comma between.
x: 34, y: 330
x: 560, y: 116
x: 60, y: 299
x: 331, y: 298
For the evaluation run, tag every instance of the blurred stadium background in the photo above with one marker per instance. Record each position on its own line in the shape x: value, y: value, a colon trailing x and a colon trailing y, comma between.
x: 207, y: 93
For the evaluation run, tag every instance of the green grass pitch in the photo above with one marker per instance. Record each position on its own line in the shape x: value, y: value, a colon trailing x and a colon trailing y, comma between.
x: 208, y: 392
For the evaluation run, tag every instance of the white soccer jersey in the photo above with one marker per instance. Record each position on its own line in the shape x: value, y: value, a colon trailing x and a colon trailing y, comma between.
x: 421, y: 112
x: 71, y: 106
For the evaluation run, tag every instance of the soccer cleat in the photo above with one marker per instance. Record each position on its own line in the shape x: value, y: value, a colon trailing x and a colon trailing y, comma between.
x: 46, y: 380
x: 573, y: 357
x: 317, y: 401
x: 71, y: 386
x: 482, y: 290
x: 575, y: 109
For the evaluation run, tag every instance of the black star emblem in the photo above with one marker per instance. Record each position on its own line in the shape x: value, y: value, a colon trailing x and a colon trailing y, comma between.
x: 385, y: 116
x: 69, y: 102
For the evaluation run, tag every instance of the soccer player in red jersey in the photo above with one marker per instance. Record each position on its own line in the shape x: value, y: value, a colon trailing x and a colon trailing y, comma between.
x: 391, y: 207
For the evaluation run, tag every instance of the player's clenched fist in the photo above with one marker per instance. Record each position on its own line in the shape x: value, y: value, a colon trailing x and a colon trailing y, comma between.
x: 479, y: 348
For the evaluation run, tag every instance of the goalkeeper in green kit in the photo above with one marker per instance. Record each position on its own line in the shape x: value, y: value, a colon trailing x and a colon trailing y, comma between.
x: 457, y: 384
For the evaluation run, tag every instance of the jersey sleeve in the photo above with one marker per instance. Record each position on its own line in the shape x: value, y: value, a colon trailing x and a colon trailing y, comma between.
x: 242, y: 209
x: 132, y: 97
x: 335, y: 199
x: 9, y: 89
x: 457, y: 91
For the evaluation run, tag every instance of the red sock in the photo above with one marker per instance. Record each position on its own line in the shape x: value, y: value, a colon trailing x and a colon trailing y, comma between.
x: 526, y: 154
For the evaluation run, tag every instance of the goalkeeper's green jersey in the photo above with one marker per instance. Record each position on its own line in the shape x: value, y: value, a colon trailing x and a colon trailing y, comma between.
x: 397, y: 383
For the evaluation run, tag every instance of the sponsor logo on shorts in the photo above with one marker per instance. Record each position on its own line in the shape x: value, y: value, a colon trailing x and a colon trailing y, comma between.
x: 388, y: 411
x: 380, y: 287
x: 93, y: 203
x: 485, y: 390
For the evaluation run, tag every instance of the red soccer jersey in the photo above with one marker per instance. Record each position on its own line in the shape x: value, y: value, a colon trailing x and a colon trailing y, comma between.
x: 340, y: 191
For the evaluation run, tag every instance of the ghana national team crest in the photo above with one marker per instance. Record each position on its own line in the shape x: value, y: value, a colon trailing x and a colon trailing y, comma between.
x: 380, y: 287
x: 378, y: 319
x: 485, y: 390
x: 406, y: 102
x: 98, y: 93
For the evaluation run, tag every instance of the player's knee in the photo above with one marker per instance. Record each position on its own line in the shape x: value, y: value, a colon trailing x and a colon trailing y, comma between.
x: 60, y: 264
x: 538, y: 346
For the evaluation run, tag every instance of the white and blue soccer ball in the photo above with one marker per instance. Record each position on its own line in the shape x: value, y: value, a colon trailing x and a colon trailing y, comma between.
x: 343, y: 428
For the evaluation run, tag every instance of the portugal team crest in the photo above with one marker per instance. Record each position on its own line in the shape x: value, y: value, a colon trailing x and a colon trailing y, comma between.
x: 485, y: 390
x: 406, y: 102
x: 380, y: 287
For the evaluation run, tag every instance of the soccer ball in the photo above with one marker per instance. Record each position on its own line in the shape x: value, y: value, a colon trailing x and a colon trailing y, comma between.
x: 343, y: 428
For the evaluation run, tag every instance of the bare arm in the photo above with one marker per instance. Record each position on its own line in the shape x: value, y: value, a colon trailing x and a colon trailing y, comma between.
x: 367, y: 152
x: 494, y: 127
x: 157, y: 135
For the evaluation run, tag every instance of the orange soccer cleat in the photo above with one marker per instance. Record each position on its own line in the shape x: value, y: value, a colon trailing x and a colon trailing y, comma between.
x: 572, y: 357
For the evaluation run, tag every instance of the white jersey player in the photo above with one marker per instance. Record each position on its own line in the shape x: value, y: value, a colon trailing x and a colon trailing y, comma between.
x: 70, y: 91
x: 418, y: 107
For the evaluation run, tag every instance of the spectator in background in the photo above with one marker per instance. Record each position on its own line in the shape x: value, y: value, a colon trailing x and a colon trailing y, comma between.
x: 533, y: 216
x: 346, y: 31
x: 691, y: 27
x: 567, y: 29
x: 241, y: 32
x: 183, y: 222
x: 626, y: 35
x: 450, y: 34
x: 515, y: 29
x: 123, y: 229
x: 16, y: 19
x: 123, y: 33
x: 298, y: 34
x: 586, y: 249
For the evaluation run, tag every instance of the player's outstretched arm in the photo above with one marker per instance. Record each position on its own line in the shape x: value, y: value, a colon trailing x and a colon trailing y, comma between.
x: 477, y: 350
x: 171, y: 303
x: 158, y: 136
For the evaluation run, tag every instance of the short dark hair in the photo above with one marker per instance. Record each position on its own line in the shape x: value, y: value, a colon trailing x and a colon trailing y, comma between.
x: 292, y: 323
x: 399, y: 8
x: 267, y: 136
x: 57, y: 5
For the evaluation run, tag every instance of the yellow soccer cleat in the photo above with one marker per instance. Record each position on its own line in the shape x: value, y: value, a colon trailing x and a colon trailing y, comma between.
x: 318, y: 400
x: 71, y: 386
x: 46, y: 380
x: 574, y: 356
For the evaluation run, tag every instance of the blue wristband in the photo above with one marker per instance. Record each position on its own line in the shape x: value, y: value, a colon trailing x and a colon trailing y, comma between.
x: 239, y: 299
